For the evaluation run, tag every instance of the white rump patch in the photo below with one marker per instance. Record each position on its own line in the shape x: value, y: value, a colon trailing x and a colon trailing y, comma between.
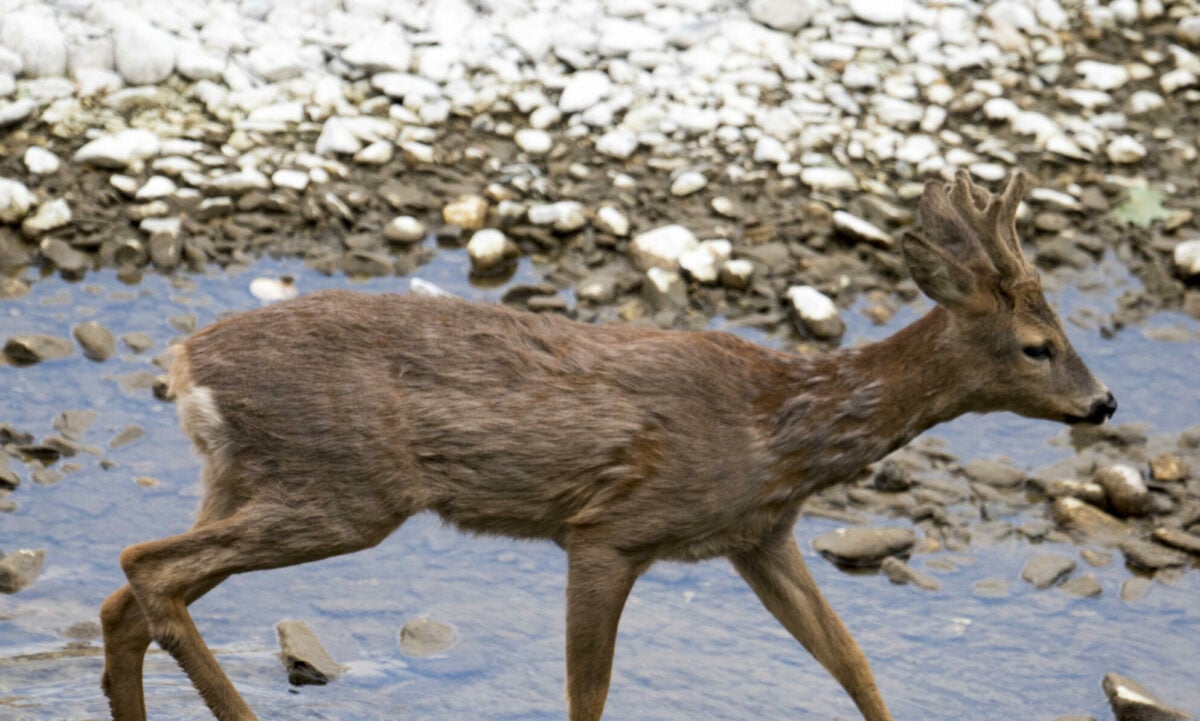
x: 199, y: 416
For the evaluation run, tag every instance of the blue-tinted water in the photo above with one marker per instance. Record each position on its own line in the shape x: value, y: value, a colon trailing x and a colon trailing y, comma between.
x: 694, y: 643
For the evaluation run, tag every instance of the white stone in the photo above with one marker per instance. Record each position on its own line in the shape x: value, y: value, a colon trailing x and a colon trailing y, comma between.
x: 916, y: 149
x: 15, y: 200
x: 566, y: 215
x: 544, y: 117
x: 816, y: 311
x: 664, y: 288
x: 37, y: 39
x: 687, y: 183
x: 1187, y: 258
x: 620, y: 144
x: 386, y: 49
x: 583, y: 90
x: 119, y: 150
x: 1144, y: 101
x: 880, y: 12
x: 1056, y: 198
x: 377, y: 153
x: 276, y: 61
x: 1124, y: 150
x: 196, y: 62
x: 618, y: 37
x: 126, y: 184
x: 49, y: 216
x: 15, y: 112
x: 611, y: 220
x: 1189, y: 30
x: 489, y: 249
x: 96, y: 81
x: 737, y: 273
x: 991, y: 172
x: 238, y: 182
x: 273, y: 290
x: 420, y: 152
x: 8, y: 84
x: 11, y: 63
x: 418, y: 286
x: 786, y: 15
x: 468, y: 212
x: 1051, y: 14
x: 705, y: 262
x: 143, y: 54
x: 290, y: 179
x: 1000, y: 109
x: 337, y: 138
x: 404, y: 229
x: 40, y: 161
x: 1177, y: 79
x: 661, y: 247
x: 856, y: 227
x: 1102, y: 76
x: 533, y: 141
x: 158, y: 186
x: 828, y: 179
x: 768, y: 149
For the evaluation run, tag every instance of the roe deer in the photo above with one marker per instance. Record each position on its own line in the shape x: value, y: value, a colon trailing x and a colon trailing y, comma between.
x: 324, y: 422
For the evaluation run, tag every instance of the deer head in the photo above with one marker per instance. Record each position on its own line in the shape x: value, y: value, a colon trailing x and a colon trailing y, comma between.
x: 968, y: 258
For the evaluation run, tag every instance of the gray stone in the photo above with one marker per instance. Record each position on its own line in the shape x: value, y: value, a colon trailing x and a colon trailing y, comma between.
x: 423, y: 637
x: 97, y: 341
x: 72, y: 424
x: 1085, y: 586
x: 23, y: 350
x: 1151, y: 556
x: 1125, y: 489
x: 994, y: 474
x: 864, y: 546
x: 900, y: 572
x: 816, y: 312
x: 1045, y: 571
x: 366, y: 263
x: 306, y: 660
x: 69, y: 261
x: 20, y: 569
x: 1132, y: 701
x: 1176, y: 538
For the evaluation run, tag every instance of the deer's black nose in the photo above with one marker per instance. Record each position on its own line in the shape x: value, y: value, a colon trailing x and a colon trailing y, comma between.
x: 1103, y: 409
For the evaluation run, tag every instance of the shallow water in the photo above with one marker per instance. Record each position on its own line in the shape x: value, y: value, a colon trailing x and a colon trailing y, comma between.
x: 694, y: 641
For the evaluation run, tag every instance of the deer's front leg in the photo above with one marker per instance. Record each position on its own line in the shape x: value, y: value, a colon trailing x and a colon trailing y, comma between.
x: 599, y: 579
x: 777, y: 573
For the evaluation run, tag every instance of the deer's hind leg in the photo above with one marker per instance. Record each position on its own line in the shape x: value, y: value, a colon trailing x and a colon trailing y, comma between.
x: 262, y: 534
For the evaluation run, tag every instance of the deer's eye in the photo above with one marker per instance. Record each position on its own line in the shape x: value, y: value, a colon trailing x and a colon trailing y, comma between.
x: 1037, y: 352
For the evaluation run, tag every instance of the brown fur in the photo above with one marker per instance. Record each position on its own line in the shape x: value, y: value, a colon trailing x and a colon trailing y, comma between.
x: 326, y: 421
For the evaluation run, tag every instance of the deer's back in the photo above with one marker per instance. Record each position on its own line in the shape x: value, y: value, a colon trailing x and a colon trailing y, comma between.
x: 500, y: 420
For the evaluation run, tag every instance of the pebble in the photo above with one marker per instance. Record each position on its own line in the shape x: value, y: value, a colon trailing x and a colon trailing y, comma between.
x: 817, y: 314
x: 1044, y: 571
x: 859, y: 546
x: 38, y: 41
x: 158, y: 186
x: 20, y: 569
x: 378, y: 153
x: 687, y: 183
x: 828, y: 179
x: 1132, y: 701
x: 900, y: 572
x: 127, y: 435
x: 737, y: 273
x: 664, y: 289
x: 272, y: 290
x: 855, y: 227
x: 23, y: 350
x: 583, y: 90
x: 142, y: 54
x: 619, y: 144
x: 49, y: 216
x: 15, y: 112
x: 303, y: 656
x: 422, y: 637
x: 404, y: 229
x: 705, y: 262
x: 1125, y: 150
x: 490, y: 251
x: 1075, y: 515
x: 1085, y: 586
x: 661, y: 247
x: 1176, y: 538
x: 533, y: 141
x: 994, y: 474
x: 15, y: 200
x: 1102, y: 76
x: 97, y: 342
x: 1124, y: 489
x: 880, y: 12
x: 1151, y: 556
x: 468, y: 212
x: 786, y: 15
x: 768, y: 149
x: 290, y: 179
x: 612, y: 220
x: 119, y: 150
x: 1186, y: 254
x: 40, y: 161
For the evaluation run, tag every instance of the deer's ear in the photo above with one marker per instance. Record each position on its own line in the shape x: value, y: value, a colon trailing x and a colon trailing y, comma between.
x: 938, y: 274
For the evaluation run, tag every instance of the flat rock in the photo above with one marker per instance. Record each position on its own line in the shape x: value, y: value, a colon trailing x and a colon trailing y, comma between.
x: 1085, y: 586
x: 127, y: 435
x: 69, y: 261
x: 97, y: 341
x: 994, y: 474
x: 1077, y: 516
x: 1132, y: 701
x: 1045, y: 571
x: 1176, y: 538
x: 306, y: 660
x: 864, y: 546
x: 900, y: 572
x: 119, y: 150
x: 24, y: 350
x: 72, y: 424
x: 423, y: 637
x: 1152, y: 556
x: 20, y: 569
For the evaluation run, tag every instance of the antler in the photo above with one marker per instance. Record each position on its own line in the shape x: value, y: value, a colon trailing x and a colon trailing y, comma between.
x: 993, y: 218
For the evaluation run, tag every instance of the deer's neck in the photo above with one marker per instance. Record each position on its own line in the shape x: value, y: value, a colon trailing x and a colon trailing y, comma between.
x: 851, y: 408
